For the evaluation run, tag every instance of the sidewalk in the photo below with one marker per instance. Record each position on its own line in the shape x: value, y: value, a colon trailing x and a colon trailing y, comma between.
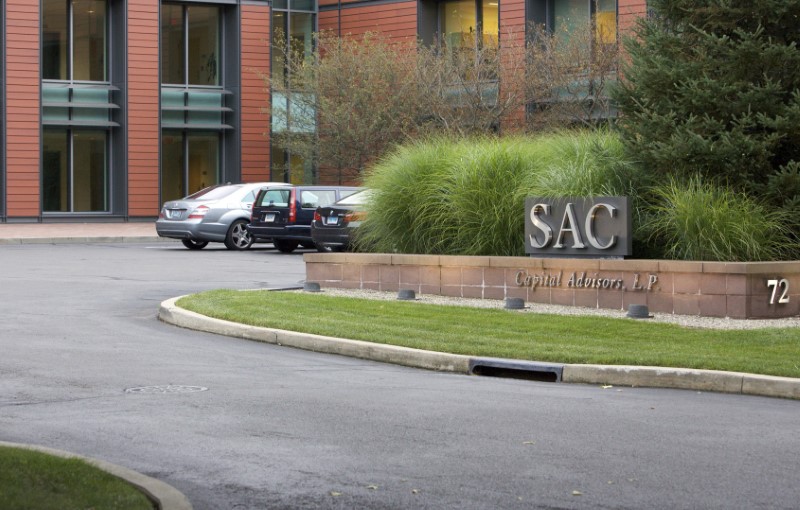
x: 48, y: 233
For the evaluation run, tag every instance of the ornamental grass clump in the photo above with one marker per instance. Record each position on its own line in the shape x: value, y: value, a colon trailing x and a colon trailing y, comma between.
x: 585, y: 164
x: 466, y: 196
x: 698, y: 220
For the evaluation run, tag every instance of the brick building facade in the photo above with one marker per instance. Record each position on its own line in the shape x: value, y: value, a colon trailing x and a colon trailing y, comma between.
x: 111, y: 107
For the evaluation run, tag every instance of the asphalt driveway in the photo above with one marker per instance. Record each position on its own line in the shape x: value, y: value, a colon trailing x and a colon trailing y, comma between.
x: 87, y: 367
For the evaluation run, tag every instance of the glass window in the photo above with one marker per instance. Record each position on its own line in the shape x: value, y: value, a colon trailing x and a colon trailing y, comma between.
x: 203, y: 159
x: 203, y: 59
x: 278, y: 41
x: 459, y: 23
x: 462, y: 23
x: 300, y: 34
x: 317, y: 198
x: 276, y: 198
x: 606, y: 22
x: 567, y: 16
x: 490, y: 23
x: 75, y: 167
x: 292, y: 32
x: 190, y: 161
x: 74, y: 40
x: 55, y: 165
x: 215, y: 192
x: 89, y: 40
x: 190, y: 44
x: 55, y: 38
x: 89, y: 171
x: 172, y: 44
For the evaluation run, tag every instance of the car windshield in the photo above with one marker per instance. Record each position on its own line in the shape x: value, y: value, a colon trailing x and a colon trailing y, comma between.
x: 357, y: 198
x: 214, y: 192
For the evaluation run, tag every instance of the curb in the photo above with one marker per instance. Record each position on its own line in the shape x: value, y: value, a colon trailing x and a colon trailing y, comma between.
x: 83, y: 240
x: 172, y: 314
x: 633, y: 376
x: 163, y: 495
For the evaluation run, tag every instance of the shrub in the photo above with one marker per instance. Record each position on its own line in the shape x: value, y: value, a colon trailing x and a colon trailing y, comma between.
x: 696, y: 220
x: 466, y: 197
x: 712, y: 87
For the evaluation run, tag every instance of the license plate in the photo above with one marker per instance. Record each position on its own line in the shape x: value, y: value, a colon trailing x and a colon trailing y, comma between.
x: 269, y: 218
x: 174, y: 214
x: 332, y: 220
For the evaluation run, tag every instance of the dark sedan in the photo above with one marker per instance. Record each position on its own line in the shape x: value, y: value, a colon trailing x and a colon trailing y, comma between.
x: 335, y: 225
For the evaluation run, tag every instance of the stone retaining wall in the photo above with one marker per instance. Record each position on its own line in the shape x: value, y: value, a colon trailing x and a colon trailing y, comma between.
x: 747, y: 290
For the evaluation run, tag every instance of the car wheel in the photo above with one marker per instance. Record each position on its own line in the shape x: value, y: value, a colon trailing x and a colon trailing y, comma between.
x: 238, y: 238
x: 285, y: 245
x: 194, y: 245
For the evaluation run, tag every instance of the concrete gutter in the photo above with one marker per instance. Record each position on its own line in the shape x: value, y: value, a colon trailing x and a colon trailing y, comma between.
x: 634, y: 376
x: 164, y: 496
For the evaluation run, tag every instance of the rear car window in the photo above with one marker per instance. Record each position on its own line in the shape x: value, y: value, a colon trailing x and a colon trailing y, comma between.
x: 359, y: 198
x: 275, y: 198
x: 317, y: 198
x: 214, y: 192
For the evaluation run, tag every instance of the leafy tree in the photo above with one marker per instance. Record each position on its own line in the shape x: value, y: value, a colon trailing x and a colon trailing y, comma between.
x: 569, y: 76
x: 355, y: 98
x: 712, y: 87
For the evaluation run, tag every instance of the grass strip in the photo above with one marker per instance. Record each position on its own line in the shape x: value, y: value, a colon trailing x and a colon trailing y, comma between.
x: 31, y: 480
x: 508, y: 334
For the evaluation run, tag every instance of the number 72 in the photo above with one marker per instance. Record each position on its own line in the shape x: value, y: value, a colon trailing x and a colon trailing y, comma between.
x: 782, y: 284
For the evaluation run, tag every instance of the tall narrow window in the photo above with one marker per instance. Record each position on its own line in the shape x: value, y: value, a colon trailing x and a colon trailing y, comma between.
x: 293, y: 26
x: 76, y: 100
x: 192, y: 98
x: 190, y: 48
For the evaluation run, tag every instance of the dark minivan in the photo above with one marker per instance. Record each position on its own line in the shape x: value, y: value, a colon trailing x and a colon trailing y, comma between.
x: 284, y: 213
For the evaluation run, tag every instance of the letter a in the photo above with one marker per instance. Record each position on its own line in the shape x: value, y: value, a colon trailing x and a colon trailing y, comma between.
x: 568, y: 225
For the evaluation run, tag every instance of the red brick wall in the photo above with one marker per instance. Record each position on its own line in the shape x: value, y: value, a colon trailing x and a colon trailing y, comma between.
x: 512, y: 43
x: 629, y: 11
x: 143, y: 108
x: 23, y: 80
x: 395, y: 19
x: 255, y: 21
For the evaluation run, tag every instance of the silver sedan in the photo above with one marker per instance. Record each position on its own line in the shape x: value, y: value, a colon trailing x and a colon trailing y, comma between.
x: 215, y: 214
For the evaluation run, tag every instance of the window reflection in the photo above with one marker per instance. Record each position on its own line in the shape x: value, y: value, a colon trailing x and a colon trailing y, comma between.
x: 180, y: 175
x: 75, y: 166
x: 190, y: 44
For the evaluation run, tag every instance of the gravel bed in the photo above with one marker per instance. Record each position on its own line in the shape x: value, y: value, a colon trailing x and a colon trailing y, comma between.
x: 682, y: 320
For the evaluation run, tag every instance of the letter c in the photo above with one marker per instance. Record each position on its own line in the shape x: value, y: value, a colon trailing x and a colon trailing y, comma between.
x: 590, y: 226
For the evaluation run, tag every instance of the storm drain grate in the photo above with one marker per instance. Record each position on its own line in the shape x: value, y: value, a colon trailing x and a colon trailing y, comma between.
x: 169, y: 388
x: 513, y: 369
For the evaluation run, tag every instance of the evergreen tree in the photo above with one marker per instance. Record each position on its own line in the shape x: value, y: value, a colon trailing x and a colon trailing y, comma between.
x: 712, y: 87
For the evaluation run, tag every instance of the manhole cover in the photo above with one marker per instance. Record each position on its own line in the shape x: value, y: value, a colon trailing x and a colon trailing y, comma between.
x: 169, y: 388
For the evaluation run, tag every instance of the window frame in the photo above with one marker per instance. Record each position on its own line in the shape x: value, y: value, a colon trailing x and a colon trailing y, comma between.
x: 70, y: 170
x: 186, y: 47
x: 70, y: 60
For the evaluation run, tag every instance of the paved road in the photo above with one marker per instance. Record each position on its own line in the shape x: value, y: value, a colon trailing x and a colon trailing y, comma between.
x: 281, y: 428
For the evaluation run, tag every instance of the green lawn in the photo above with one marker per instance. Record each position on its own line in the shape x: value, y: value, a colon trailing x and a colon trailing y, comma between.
x: 31, y: 480
x: 508, y: 334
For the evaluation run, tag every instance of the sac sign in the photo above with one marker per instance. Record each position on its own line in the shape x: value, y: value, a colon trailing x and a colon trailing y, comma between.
x: 578, y: 227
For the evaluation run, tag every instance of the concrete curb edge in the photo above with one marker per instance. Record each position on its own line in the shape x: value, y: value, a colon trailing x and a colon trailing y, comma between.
x: 163, y: 495
x: 633, y: 376
x: 84, y: 240
x: 170, y: 313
